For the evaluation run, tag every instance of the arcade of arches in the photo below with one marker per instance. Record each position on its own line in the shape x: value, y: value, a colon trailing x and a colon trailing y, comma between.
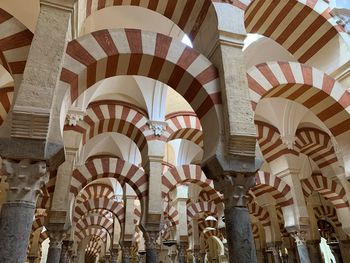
x: 174, y: 131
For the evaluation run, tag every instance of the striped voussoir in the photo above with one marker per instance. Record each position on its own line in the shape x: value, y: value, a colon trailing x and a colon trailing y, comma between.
x: 44, y: 198
x: 97, y: 231
x: 111, y: 205
x: 43, y: 236
x: 271, y: 145
x: 181, y: 174
x: 108, y: 116
x: 184, y: 125
x: 101, y: 212
x: 278, y: 189
x: 15, y: 41
x: 213, y: 232
x: 172, y: 215
x: 315, y: 90
x: 137, y: 215
x: 109, y: 53
x: 95, y: 191
x: 38, y: 223
x: 328, y: 188
x: 302, y: 27
x: 208, y: 193
x: 124, y: 172
x: 6, y: 96
x: 260, y: 213
x: 207, y: 208
x: 104, y: 222
x: 327, y: 212
x: 317, y: 145
x: 187, y: 15
x: 255, y: 230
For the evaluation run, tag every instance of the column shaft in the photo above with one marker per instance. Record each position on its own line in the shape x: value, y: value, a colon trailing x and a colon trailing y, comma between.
x: 54, y: 254
x: 239, y: 235
x: 314, y: 251
x: 16, y: 220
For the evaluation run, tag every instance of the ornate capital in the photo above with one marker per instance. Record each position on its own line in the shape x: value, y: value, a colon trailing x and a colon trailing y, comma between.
x: 289, y: 141
x: 182, y: 247
x: 56, y: 238
x: 126, y: 251
x: 300, y: 237
x: 25, y: 179
x: 74, y: 117
x: 151, y: 239
x: 158, y: 127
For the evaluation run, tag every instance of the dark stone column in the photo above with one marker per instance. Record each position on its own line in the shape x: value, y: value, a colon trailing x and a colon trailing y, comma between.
x: 301, y: 246
x: 151, y: 246
x: 66, y: 251
x: 292, y: 255
x: 126, y: 256
x: 55, y: 248
x: 313, y: 247
x: 336, y: 252
x: 182, y: 247
x: 345, y: 250
x: 114, y: 254
x: 274, y: 247
x: 25, y: 180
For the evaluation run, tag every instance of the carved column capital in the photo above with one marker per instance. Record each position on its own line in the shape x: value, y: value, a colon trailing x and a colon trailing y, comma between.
x: 56, y: 238
x: 151, y: 239
x: 182, y: 248
x: 158, y: 127
x: 73, y: 118
x: 25, y: 179
x: 299, y: 237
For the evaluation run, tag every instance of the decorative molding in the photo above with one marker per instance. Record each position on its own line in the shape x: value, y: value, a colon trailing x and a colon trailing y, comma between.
x: 289, y: 141
x: 73, y: 117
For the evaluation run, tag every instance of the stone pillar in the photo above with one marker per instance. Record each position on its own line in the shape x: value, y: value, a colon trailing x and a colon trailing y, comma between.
x: 238, y: 228
x: 31, y: 259
x: 56, y: 240
x: 114, y: 254
x: 336, y: 252
x: 345, y: 250
x: 126, y: 253
x: 313, y: 247
x: 182, y: 248
x: 292, y: 257
x: 151, y: 246
x: 66, y: 252
x: 25, y: 180
x: 274, y: 248
x: 301, y: 246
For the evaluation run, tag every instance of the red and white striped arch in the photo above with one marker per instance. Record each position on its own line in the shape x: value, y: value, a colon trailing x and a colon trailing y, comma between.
x: 328, y: 212
x: 208, y: 193
x: 303, y: 27
x: 121, y: 170
x: 270, y: 142
x: 15, y: 41
x: 278, y: 189
x: 85, y: 222
x: 260, y: 213
x: 95, y: 191
x: 172, y: 215
x: 99, y: 203
x: 315, y: 90
x: 187, y: 15
x: 255, y: 231
x: 116, y: 52
x: 208, y: 208
x: 328, y: 188
x: 92, y: 231
x: 316, y: 144
x: 184, y: 125
x: 109, y: 116
x: 182, y: 174
x: 6, y: 96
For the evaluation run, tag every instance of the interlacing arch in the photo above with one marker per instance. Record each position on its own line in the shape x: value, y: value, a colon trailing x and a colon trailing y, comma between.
x: 278, y: 189
x: 302, y: 27
x: 270, y: 142
x: 187, y: 15
x: 110, y: 116
x: 85, y: 222
x: 255, y: 230
x: 111, y: 205
x: 6, y: 96
x: 328, y: 212
x: 208, y: 208
x: 121, y: 170
x: 259, y: 212
x: 95, y: 191
x: 316, y: 144
x: 315, y: 90
x: 92, y: 231
x: 329, y: 189
x: 182, y: 174
x: 184, y: 125
x: 119, y: 52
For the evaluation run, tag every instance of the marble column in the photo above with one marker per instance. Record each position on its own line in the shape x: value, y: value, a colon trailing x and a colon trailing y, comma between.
x: 55, y: 248
x: 182, y: 247
x: 274, y: 248
x: 292, y: 255
x: 237, y: 220
x: 336, y: 252
x: 314, y: 251
x: 345, y: 250
x: 126, y: 254
x: 301, y: 246
x: 66, y: 251
x: 25, y: 180
x: 114, y: 254
x: 151, y: 246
